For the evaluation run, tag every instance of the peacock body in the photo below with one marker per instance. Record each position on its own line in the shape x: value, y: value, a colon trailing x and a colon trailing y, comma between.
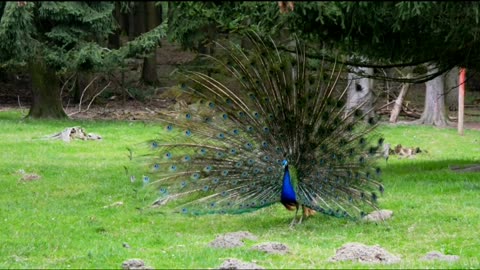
x: 281, y: 134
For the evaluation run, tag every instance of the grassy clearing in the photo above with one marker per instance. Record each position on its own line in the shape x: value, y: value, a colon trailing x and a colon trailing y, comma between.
x: 60, y: 221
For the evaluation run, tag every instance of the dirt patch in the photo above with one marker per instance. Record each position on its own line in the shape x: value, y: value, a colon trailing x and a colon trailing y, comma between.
x: 123, y: 110
x: 27, y: 177
x: 435, y: 255
x: 358, y: 252
x: 132, y: 264
x: 272, y: 248
x: 237, y: 264
x: 231, y: 240
x: 380, y: 215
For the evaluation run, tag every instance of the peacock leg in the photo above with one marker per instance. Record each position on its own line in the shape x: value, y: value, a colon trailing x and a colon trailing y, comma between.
x: 293, y: 223
x: 302, y: 216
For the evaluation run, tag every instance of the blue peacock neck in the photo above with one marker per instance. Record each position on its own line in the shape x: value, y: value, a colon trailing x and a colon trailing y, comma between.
x: 288, y: 192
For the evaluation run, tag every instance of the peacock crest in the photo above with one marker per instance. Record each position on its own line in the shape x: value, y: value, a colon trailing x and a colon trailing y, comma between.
x: 281, y: 134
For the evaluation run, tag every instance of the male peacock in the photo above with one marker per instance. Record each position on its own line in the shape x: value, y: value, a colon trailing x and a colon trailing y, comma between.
x: 281, y: 134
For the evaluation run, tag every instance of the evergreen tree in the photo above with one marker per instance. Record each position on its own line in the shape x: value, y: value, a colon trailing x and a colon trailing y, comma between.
x: 51, y: 39
x: 393, y: 34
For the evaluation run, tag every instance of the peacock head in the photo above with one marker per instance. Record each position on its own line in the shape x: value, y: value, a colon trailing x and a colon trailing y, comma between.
x: 284, y: 163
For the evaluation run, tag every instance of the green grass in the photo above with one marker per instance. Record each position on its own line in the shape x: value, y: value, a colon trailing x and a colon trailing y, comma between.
x: 60, y: 221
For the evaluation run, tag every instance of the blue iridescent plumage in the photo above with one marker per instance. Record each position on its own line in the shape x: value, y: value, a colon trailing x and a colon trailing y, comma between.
x: 288, y: 192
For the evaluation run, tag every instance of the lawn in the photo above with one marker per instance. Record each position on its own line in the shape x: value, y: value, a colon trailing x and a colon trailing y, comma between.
x: 61, y: 220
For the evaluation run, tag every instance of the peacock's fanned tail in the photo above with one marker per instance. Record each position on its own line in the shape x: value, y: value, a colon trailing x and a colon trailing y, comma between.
x: 224, y: 152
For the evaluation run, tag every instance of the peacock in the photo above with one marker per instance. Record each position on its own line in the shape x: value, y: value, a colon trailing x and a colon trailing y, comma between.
x: 280, y: 134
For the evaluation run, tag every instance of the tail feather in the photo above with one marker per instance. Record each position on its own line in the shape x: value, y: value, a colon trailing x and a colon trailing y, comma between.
x: 224, y: 153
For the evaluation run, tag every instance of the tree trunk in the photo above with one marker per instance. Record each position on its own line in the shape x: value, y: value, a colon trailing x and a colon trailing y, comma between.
x: 397, y: 107
x: 131, y: 22
x: 434, y: 112
x: 208, y: 46
x: 139, y: 18
x: 359, y: 93
x: 47, y: 102
x: 451, y: 88
x: 149, y: 68
x: 114, y: 38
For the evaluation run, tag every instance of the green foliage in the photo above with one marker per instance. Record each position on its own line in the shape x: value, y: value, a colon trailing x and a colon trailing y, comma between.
x: 394, y: 32
x: 142, y: 45
x: 68, y: 35
x: 59, y: 221
x: 55, y: 31
x: 189, y: 21
x: 16, y: 27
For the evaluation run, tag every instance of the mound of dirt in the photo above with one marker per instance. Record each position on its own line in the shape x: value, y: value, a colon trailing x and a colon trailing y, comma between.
x: 237, y: 264
x: 380, y: 215
x: 272, y: 248
x: 435, y: 255
x: 365, y: 254
x: 28, y: 177
x: 132, y: 264
x: 231, y: 240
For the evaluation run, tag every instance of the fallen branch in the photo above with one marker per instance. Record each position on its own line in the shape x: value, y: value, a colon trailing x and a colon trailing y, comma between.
x: 65, y: 83
x: 403, y: 112
x: 83, y: 92
x: 19, y: 104
x: 91, y: 101
x: 96, y: 95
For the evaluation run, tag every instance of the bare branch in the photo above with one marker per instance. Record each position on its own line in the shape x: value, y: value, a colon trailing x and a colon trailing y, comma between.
x: 91, y: 101
x: 83, y: 92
